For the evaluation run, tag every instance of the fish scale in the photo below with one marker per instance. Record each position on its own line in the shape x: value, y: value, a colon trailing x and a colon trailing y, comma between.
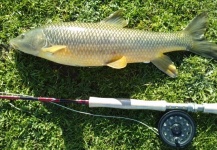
x: 108, y: 43
x: 83, y: 39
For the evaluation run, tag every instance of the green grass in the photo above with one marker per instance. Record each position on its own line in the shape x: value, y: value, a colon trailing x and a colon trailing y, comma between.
x: 46, y: 126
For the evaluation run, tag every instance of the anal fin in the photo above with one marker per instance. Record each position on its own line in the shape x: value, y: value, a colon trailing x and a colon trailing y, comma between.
x: 165, y: 64
x: 119, y: 63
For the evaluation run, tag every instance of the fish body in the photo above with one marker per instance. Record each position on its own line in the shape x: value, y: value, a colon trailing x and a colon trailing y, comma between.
x: 108, y: 43
x: 95, y: 44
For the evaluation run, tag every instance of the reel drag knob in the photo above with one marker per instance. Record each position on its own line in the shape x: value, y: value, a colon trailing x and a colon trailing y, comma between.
x: 176, y: 128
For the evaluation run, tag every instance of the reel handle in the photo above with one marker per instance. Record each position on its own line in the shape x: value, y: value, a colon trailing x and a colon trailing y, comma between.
x: 127, y: 103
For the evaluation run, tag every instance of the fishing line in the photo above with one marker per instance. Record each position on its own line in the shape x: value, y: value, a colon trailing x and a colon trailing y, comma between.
x: 107, y: 116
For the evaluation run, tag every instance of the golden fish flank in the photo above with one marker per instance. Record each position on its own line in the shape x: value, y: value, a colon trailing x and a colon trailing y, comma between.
x: 108, y: 43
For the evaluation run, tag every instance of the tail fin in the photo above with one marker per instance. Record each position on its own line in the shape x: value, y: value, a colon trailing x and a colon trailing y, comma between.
x: 200, y: 46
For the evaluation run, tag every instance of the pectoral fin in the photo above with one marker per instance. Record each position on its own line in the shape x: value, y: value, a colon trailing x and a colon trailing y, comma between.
x: 116, y: 19
x: 53, y: 49
x: 164, y: 63
x: 118, y: 64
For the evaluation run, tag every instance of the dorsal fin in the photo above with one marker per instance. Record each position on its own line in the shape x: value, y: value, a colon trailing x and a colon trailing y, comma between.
x: 116, y: 19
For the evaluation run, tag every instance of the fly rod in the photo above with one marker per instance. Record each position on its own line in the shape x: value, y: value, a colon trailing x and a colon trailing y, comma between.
x: 121, y: 103
x: 176, y: 128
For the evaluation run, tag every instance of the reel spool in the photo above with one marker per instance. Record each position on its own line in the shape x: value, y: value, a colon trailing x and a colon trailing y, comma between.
x: 176, y: 128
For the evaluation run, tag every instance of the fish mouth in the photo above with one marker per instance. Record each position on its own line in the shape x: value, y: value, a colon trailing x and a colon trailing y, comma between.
x: 13, y: 45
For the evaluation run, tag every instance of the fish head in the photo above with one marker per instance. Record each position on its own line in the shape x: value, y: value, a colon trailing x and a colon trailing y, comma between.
x: 30, y: 42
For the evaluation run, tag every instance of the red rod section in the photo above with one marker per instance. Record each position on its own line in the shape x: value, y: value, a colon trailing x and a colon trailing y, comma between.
x: 47, y: 99
x: 44, y: 99
x: 9, y: 97
x: 80, y: 101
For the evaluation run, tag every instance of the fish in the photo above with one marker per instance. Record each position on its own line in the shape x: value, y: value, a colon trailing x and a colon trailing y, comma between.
x: 110, y: 43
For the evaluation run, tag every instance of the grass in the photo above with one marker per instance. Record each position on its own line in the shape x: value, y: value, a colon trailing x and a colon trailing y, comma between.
x: 46, y: 126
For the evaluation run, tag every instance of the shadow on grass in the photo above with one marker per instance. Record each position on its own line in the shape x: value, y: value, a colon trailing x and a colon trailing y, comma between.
x: 49, y: 79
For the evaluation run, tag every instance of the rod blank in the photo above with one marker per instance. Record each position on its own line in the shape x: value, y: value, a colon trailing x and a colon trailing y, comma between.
x: 124, y: 103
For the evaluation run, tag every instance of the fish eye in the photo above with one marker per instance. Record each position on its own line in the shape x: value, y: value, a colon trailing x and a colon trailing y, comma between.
x: 22, y: 36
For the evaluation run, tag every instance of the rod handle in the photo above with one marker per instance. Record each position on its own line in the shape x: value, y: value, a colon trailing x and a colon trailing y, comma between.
x: 127, y: 103
x: 210, y: 108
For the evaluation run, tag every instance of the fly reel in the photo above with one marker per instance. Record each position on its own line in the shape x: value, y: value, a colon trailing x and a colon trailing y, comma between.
x: 176, y: 128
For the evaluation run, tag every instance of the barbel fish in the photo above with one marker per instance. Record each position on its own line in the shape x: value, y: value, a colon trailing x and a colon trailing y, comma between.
x: 108, y: 43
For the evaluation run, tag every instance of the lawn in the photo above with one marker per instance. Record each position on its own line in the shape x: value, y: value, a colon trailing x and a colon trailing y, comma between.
x: 35, y: 125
